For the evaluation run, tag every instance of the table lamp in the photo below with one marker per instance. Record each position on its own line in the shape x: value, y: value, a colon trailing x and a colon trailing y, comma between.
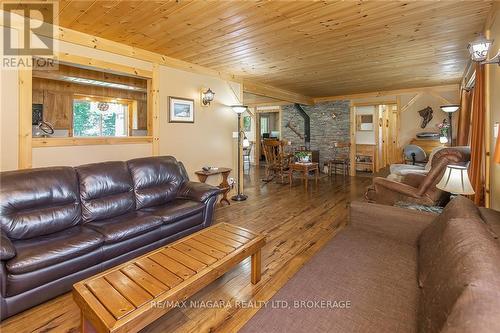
x: 456, y: 181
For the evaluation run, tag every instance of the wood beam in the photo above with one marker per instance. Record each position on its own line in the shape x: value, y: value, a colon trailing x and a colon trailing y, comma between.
x: 255, y: 105
x: 495, y: 8
x: 448, y: 87
x: 94, y: 42
x: 411, y: 102
x: 441, y: 98
x: 274, y: 92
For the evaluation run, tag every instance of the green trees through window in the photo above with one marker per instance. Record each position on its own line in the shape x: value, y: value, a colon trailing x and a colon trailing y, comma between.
x: 89, y: 120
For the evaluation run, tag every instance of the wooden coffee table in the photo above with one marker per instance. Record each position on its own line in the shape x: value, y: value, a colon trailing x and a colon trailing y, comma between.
x: 305, y: 168
x: 130, y: 296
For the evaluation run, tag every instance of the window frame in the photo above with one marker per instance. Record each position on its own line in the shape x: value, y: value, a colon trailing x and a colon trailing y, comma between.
x: 28, y: 142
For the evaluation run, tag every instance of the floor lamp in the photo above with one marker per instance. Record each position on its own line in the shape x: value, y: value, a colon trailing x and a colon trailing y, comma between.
x: 450, y: 109
x: 239, y: 109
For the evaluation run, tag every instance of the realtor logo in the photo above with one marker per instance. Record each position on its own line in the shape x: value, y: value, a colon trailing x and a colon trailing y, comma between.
x: 28, y: 34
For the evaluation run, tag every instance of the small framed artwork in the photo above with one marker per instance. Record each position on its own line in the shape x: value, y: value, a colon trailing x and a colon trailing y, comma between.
x: 181, y: 110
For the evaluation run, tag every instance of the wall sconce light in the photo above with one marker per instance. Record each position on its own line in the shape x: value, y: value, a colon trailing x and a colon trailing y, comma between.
x: 207, y: 96
x: 479, y: 48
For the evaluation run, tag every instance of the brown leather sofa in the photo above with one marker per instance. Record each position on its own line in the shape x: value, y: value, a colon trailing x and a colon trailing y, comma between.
x: 60, y: 225
x: 418, y: 188
x: 409, y: 271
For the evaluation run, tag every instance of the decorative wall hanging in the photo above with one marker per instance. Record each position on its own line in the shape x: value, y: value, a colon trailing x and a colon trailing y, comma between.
x: 426, y: 115
x: 181, y: 110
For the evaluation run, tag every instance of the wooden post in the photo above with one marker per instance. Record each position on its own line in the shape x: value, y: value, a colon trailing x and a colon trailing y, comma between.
x: 155, y: 111
x: 352, y: 151
x: 25, y: 128
x: 256, y: 267
x: 85, y: 325
x: 487, y: 131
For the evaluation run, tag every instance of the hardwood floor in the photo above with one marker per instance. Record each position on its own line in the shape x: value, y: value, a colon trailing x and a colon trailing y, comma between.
x: 297, y: 224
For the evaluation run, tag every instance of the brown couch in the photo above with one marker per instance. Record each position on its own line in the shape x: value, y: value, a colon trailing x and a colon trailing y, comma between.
x: 407, y: 271
x: 418, y: 188
x: 60, y: 225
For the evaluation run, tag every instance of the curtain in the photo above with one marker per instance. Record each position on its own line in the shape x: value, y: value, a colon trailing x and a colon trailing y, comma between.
x: 464, y: 118
x: 476, y: 169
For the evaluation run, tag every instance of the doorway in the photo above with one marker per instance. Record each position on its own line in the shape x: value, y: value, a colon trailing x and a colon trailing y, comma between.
x: 376, y: 136
x: 268, y: 125
x: 388, y: 151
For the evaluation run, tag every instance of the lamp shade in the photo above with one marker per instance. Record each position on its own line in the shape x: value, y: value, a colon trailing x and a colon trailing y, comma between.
x: 239, y: 108
x: 450, y: 108
x: 455, y: 180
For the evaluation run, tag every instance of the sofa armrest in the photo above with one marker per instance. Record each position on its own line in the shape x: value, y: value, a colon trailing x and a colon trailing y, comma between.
x: 385, y: 184
x: 7, y: 250
x: 397, y: 223
x: 413, y: 179
x: 197, y: 191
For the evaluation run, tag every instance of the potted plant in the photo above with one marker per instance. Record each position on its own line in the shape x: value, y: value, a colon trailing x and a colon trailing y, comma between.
x: 303, y: 156
x: 444, y: 128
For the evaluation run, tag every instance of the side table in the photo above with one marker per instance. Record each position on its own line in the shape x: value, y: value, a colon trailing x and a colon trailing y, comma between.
x: 224, y: 185
x: 304, y: 168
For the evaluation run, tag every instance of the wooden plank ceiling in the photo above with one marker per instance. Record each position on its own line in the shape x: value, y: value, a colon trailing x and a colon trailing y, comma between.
x: 320, y: 48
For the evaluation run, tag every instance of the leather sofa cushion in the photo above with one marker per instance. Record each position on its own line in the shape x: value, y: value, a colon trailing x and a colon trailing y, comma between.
x: 465, y: 266
x: 106, y: 190
x: 156, y: 180
x: 492, y: 218
x: 40, y: 252
x: 457, y: 253
x: 36, y: 202
x: 431, y: 240
x: 176, y: 210
x: 126, y: 226
x: 476, y: 310
x: 20, y: 283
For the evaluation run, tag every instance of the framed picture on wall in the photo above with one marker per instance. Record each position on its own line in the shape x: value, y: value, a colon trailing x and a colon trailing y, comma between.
x: 181, y: 110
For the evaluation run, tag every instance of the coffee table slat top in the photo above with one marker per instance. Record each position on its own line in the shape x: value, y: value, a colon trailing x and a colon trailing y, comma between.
x: 119, y: 299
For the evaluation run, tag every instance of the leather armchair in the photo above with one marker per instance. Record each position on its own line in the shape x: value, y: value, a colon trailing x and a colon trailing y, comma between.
x: 418, y: 188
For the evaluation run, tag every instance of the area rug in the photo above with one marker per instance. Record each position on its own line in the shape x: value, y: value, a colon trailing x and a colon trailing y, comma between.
x: 346, y: 287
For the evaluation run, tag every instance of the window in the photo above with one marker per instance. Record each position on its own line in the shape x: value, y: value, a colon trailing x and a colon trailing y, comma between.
x: 100, y: 117
x: 264, y: 124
